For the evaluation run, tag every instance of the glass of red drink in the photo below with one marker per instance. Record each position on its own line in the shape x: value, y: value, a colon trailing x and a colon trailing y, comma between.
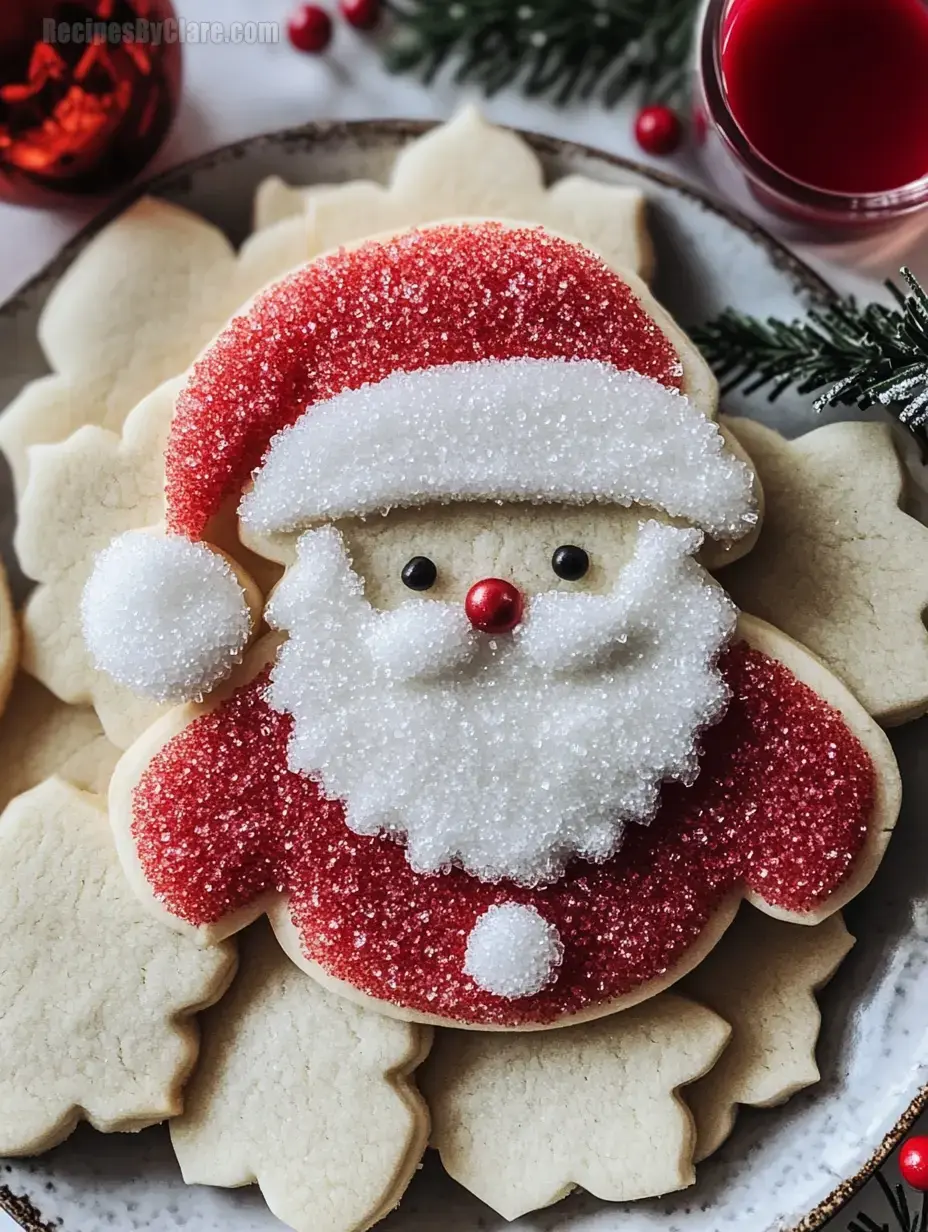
x: 818, y: 109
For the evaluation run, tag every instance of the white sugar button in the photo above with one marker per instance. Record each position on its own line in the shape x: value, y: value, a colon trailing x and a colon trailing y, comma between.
x: 513, y: 951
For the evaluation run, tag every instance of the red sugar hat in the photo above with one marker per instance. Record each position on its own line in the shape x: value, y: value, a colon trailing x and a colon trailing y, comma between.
x: 446, y: 294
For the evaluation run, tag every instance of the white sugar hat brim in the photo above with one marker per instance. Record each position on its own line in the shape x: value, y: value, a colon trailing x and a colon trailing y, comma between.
x: 572, y: 431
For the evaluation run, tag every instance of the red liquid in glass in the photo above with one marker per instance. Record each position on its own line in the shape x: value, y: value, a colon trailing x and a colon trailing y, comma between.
x: 832, y: 92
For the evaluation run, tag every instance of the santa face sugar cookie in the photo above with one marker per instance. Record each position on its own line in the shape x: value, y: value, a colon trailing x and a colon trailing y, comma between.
x: 511, y: 758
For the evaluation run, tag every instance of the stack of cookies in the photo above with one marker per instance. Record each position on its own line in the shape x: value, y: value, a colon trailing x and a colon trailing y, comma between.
x: 431, y: 725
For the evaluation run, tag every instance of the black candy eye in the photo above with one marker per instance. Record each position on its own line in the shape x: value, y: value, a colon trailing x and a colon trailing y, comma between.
x: 419, y: 573
x: 570, y: 562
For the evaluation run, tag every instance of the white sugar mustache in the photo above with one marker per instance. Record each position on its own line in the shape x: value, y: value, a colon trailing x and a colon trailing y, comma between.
x: 561, y: 632
x: 507, y: 756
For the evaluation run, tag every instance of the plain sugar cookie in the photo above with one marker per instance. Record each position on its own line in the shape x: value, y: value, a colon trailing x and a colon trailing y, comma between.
x: 9, y: 640
x: 762, y: 978
x: 80, y: 495
x: 839, y: 565
x: 520, y: 1120
x: 96, y: 998
x: 464, y: 168
x: 41, y: 736
x: 306, y: 1094
x: 132, y: 310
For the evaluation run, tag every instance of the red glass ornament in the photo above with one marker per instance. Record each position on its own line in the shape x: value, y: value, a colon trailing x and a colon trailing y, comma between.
x: 494, y: 606
x: 658, y: 130
x: 913, y: 1163
x: 88, y: 90
x: 310, y: 29
x: 362, y: 14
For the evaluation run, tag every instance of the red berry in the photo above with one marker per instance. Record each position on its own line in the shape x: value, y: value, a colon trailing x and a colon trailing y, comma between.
x: 310, y: 28
x: 658, y: 130
x: 362, y: 14
x: 913, y: 1163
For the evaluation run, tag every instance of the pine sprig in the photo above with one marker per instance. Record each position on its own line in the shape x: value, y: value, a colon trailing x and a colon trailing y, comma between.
x: 564, y: 48
x: 862, y: 356
x: 907, y: 1219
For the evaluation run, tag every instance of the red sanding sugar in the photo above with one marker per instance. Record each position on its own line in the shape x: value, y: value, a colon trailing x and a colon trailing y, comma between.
x: 443, y: 295
x: 781, y: 806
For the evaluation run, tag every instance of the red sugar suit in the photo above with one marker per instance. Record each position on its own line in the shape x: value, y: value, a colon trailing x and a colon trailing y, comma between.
x: 781, y: 807
x: 438, y: 296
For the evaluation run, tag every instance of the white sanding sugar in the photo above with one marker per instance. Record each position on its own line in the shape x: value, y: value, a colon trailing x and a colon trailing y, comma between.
x: 505, y: 755
x: 571, y: 632
x: 513, y: 951
x: 520, y: 429
x: 164, y: 616
x: 422, y: 640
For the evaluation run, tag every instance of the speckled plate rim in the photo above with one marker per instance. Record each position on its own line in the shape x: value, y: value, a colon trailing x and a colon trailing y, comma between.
x: 316, y: 133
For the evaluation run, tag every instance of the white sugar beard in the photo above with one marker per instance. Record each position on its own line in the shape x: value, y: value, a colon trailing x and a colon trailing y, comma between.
x: 506, y: 756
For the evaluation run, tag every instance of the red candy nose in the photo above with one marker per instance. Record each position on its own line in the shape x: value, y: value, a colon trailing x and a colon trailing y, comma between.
x: 494, y: 606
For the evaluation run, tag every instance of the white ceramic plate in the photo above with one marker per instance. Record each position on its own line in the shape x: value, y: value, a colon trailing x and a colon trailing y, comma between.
x: 783, y: 1168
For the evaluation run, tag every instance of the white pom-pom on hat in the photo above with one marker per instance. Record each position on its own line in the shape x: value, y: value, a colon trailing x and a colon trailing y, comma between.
x: 166, y: 617
x: 513, y: 951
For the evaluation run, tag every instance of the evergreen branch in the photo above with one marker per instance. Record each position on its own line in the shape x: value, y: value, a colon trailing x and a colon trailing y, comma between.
x: 564, y: 48
x: 906, y: 1219
x: 859, y: 356
x: 863, y: 1223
